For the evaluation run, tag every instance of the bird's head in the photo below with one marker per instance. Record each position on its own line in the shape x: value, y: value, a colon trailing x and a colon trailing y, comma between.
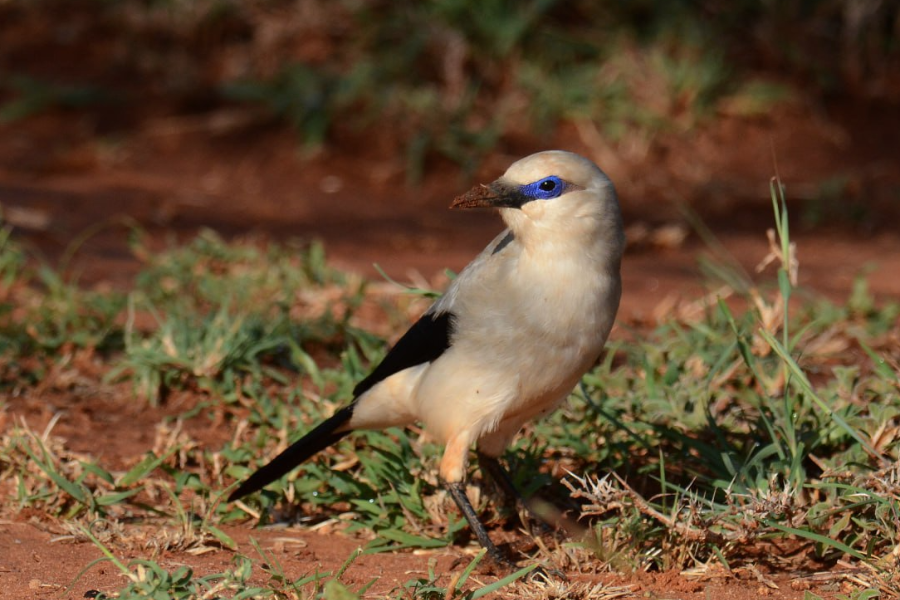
x: 552, y: 191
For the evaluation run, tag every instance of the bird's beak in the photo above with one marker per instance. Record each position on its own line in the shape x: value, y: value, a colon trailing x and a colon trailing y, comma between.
x: 495, y: 195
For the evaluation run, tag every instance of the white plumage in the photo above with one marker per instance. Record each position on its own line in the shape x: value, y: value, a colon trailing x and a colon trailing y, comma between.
x: 511, y: 336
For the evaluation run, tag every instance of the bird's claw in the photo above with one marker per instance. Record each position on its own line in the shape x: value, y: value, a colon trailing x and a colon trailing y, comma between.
x: 540, y: 573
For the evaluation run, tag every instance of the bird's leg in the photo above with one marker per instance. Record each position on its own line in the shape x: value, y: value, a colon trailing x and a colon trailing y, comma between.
x: 511, y: 496
x: 453, y: 476
x: 499, y: 475
x: 457, y: 491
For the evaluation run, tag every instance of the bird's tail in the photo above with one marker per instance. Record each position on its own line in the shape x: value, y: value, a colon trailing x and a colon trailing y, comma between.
x: 313, y: 442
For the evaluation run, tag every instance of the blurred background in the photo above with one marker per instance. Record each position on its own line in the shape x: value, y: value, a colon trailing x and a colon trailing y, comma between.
x: 356, y: 122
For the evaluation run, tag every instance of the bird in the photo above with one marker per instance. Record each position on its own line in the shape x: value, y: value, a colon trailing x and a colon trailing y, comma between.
x: 508, y: 340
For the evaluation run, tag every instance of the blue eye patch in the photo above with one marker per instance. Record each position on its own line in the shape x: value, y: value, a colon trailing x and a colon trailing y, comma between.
x: 546, y: 188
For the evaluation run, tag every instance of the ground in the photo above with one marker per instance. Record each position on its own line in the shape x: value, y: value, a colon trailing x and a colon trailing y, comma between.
x: 71, y: 197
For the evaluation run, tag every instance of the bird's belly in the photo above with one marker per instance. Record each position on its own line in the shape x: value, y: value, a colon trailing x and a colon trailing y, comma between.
x: 546, y: 377
x: 475, y: 389
x: 516, y: 354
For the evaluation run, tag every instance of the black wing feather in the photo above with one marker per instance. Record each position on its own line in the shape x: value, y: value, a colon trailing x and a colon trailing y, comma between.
x: 426, y: 340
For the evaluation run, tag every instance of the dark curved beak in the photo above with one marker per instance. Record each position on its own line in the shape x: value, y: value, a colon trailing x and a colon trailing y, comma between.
x: 495, y: 195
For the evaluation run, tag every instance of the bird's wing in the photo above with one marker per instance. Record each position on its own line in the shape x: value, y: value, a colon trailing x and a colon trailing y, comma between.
x: 426, y: 340
x: 432, y: 334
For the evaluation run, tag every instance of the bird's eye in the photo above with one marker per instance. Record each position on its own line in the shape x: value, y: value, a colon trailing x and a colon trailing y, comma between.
x: 546, y: 188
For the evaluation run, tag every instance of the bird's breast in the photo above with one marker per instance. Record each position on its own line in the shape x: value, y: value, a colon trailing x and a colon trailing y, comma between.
x: 524, y: 332
x: 543, y: 323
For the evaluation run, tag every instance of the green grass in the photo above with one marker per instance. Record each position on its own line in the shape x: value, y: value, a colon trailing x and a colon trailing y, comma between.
x: 453, y: 78
x: 33, y: 96
x: 727, y: 436
x: 147, y: 579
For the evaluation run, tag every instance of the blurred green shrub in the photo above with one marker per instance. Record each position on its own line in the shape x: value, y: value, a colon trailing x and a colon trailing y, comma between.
x: 452, y: 78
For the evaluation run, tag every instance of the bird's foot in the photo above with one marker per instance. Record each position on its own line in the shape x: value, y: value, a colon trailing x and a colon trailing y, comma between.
x: 497, y: 557
x: 548, y: 574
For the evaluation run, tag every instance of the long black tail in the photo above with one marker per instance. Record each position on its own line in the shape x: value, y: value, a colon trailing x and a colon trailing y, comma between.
x: 313, y: 442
